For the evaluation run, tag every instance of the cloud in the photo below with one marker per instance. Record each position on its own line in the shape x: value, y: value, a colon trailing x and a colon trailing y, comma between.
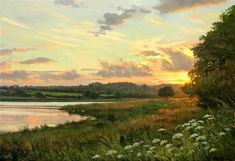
x: 177, y: 60
x: 6, y: 65
x: 150, y: 53
x: 14, y: 75
x: 7, y: 52
x: 173, y: 6
x: 123, y: 69
x: 40, y: 75
x: 14, y: 23
x: 72, y: 3
x: 39, y: 60
x: 57, y: 75
x: 113, y: 19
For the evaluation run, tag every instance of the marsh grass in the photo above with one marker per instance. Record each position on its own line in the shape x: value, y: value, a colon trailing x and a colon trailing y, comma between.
x: 116, y: 125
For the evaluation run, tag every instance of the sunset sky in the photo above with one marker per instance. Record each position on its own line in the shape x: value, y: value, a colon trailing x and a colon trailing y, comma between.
x: 71, y: 42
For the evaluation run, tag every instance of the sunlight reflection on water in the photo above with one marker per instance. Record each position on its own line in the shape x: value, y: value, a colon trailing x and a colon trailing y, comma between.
x: 14, y: 118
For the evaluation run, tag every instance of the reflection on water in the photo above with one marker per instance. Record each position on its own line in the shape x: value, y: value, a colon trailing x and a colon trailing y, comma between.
x: 14, y: 118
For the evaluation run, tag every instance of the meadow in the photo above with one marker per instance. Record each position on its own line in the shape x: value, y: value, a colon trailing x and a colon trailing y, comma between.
x: 113, y: 126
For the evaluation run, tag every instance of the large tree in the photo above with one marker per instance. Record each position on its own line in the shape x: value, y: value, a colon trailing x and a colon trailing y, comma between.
x: 213, y: 75
x: 166, y: 91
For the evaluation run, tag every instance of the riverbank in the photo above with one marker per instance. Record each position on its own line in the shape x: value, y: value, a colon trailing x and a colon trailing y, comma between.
x: 116, y: 125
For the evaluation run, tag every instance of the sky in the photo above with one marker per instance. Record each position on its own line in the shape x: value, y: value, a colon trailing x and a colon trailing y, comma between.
x: 71, y: 42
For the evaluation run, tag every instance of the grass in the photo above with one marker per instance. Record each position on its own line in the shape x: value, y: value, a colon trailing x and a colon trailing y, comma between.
x: 116, y: 125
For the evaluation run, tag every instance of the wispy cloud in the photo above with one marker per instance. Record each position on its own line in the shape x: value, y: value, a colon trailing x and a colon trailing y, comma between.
x: 166, y: 6
x: 14, y: 23
x: 8, y: 52
x: 39, y: 60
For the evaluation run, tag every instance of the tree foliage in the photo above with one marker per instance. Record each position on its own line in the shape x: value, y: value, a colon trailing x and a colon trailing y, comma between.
x: 213, y: 75
x: 166, y: 91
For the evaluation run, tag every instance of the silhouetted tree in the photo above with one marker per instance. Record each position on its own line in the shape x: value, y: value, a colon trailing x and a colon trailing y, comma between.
x: 166, y: 91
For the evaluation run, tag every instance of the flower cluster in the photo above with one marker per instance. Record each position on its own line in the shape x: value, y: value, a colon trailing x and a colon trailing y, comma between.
x: 194, y: 139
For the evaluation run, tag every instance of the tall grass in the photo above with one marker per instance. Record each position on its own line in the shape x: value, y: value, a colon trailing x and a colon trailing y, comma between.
x: 116, y: 126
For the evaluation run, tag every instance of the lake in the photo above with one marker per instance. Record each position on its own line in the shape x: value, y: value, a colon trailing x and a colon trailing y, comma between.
x: 15, y: 116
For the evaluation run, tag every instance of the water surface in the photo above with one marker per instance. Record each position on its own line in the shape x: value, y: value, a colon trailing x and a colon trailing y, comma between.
x: 15, y: 116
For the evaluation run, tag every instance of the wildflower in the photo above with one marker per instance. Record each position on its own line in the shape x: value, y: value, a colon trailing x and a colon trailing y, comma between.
x: 194, y: 135
x: 120, y: 156
x: 227, y: 129
x: 194, y: 124
x: 222, y: 133
x: 192, y: 121
x: 168, y: 145
x: 195, y: 144
x: 139, y: 154
x: 189, y: 128
x: 111, y: 152
x: 207, y: 148
x: 199, y: 128
x: 177, y: 136
x: 161, y: 130
x: 96, y: 156
x: 204, y: 143
x: 210, y: 118
x: 136, y: 144
x: 128, y: 147
x: 200, y: 122
x: 212, y: 150
x: 163, y: 142
x: 207, y: 116
x: 146, y: 146
x: 200, y: 138
x: 141, y: 142
x: 156, y: 141
x: 185, y: 125
x: 149, y: 152
x: 152, y: 148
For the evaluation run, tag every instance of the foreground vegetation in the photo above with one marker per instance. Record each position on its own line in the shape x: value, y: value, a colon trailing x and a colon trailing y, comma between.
x: 116, y: 125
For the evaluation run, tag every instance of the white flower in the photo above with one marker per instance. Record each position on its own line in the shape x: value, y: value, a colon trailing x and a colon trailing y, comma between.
x: 136, y: 144
x: 194, y: 124
x: 111, y: 152
x: 163, y: 142
x: 192, y: 121
x: 222, y: 134
x: 189, y: 128
x: 146, y: 146
x: 210, y: 118
x: 200, y: 122
x: 204, y: 143
x: 194, y: 135
x: 149, y: 152
x: 96, y: 156
x: 207, y: 116
x: 186, y: 125
x: 207, y: 148
x: 139, y: 154
x: 120, y: 156
x: 168, y: 145
x: 212, y: 150
x: 156, y: 141
x: 177, y: 136
x: 201, y: 138
x: 195, y: 144
x: 128, y: 147
x: 152, y: 148
x: 199, y: 128
x: 161, y: 130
